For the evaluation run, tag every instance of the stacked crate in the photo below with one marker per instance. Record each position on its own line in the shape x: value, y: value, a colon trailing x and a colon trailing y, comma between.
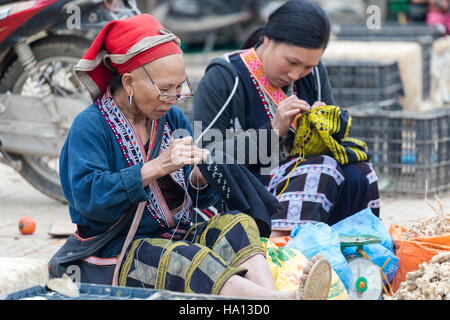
x: 359, y: 83
x: 407, y: 149
x: 419, y: 33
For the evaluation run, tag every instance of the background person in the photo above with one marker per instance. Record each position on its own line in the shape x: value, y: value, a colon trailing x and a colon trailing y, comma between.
x: 285, y: 55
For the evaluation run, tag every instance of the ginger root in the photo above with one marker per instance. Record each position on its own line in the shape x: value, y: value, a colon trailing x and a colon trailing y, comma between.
x: 430, y: 282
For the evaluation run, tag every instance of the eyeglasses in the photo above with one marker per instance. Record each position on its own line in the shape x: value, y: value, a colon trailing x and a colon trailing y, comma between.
x: 166, y: 97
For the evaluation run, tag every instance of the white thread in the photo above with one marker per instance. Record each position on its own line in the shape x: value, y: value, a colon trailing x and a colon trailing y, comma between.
x: 196, y: 188
x: 319, y: 89
x: 236, y: 82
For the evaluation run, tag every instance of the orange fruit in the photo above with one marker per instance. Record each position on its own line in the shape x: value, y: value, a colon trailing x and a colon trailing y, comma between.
x: 27, y: 225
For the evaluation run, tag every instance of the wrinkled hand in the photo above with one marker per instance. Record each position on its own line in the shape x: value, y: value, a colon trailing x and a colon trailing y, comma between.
x: 181, y: 152
x: 287, y: 110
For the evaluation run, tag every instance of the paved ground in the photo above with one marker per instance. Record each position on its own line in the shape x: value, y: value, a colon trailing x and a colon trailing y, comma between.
x: 18, y: 199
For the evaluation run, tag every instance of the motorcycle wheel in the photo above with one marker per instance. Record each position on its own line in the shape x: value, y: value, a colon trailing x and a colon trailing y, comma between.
x: 56, y: 57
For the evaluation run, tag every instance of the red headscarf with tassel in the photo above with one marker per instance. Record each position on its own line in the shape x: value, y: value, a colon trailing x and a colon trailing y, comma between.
x: 125, y: 45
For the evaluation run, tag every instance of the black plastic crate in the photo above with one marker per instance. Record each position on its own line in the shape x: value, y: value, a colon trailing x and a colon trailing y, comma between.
x: 422, y: 34
x: 377, y: 107
x: 357, y: 82
x: 407, y: 148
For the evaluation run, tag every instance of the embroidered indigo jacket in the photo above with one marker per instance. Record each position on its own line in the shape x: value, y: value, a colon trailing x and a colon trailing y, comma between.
x: 97, y: 182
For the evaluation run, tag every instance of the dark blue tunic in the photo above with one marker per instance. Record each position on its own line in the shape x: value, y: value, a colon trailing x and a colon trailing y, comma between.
x: 359, y: 188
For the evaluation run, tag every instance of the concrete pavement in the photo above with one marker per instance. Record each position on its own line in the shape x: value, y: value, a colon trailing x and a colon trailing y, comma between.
x: 18, y: 199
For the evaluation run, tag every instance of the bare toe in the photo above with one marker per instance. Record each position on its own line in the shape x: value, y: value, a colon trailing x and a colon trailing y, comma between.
x: 307, y: 268
x: 303, y: 278
x: 315, y: 281
x: 317, y: 257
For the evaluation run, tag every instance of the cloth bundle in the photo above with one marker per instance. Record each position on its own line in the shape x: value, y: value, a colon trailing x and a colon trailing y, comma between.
x: 324, y: 130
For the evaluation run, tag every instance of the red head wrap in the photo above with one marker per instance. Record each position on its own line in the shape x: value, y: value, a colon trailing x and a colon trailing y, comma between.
x: 125, y: 45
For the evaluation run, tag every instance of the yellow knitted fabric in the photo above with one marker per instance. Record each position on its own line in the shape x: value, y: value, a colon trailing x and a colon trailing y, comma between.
x: 324, y: 130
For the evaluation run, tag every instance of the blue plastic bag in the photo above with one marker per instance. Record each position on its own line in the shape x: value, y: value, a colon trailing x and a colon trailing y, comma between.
x: 365, y: 222
x: 313, y: 237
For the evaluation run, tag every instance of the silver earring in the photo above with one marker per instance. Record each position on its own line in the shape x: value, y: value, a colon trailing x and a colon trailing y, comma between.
x: 130, y: 98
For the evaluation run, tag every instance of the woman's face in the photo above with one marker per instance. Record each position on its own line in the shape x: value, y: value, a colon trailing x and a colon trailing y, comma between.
x: 284, y: 63
x: 168, y: 73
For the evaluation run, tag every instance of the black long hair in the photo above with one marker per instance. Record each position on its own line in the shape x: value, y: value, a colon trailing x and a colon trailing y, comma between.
x: 297, y: 22
x: 116, y: 80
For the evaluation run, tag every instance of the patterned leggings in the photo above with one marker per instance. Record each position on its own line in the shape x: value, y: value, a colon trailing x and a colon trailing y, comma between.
x: 202, y: 262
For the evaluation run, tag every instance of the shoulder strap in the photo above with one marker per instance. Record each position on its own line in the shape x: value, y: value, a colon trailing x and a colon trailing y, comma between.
x: 140, y: 209
x: 128, y: 240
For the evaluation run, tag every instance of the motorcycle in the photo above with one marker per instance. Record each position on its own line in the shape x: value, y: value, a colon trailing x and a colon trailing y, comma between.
x: 209, y: 22
x: 40, y: 43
